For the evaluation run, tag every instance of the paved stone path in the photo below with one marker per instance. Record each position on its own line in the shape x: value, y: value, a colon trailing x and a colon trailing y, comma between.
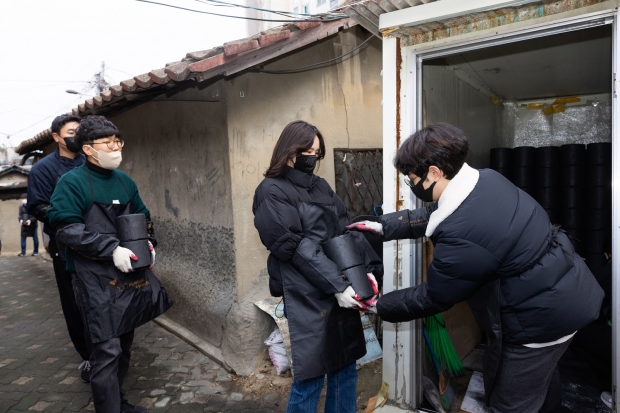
x: 38, y: 364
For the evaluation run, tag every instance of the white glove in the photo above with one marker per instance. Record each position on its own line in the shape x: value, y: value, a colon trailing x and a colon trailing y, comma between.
x: 373, y: 227
x: 346, y: 299
x: 153, y: 253
x: 21, y: 222
x: 28, y: 223
x: 122, y: 258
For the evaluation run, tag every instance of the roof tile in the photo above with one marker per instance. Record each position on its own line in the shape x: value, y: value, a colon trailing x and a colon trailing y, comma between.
x: 210, y: 63
x: 129, y: 85
x: 159, y: 76
x: 204, y: 54
x: 143, y: 80
x: 106, y: 95
x: 306, y: 25
x: 98, y: 100
x: 89, y: 103
x: 178, y: 71
x: 117, y: 90
x: 240, y: 46
x: 82, y: 107
x: 75, y: 111
x: 267, y: 38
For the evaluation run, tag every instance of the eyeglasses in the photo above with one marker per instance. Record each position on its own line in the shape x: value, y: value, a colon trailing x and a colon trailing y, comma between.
x: 118, y: 143
x: 410, y: 183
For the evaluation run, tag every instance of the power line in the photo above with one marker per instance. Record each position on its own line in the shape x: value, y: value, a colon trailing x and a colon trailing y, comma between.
x: 281, y: 12
x: 241, y: 17
x: 47, y: 117
x: 300, y: 69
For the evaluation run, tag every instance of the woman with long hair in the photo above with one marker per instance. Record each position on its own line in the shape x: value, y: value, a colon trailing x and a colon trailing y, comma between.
x: 295, y: 211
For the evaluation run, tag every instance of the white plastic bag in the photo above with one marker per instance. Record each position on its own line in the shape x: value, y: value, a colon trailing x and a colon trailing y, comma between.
x: 277, y: 351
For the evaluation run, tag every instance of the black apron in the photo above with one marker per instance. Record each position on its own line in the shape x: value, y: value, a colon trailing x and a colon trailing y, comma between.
x: 113, y: 302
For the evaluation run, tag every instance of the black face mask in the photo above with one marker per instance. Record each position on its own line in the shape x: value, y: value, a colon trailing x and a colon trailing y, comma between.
x: 418, y: 190
x: 305, y: 163
x: 71, y: 144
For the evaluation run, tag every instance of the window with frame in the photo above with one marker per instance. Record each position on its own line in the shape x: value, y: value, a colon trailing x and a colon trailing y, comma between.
x: 306, y: 9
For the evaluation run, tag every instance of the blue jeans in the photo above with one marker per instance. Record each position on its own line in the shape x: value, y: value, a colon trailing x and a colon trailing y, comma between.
x: 35, y: 238
x: 341, y: 392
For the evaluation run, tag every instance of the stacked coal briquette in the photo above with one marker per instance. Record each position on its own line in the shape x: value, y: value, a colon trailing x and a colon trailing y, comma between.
x: 573, y: 194
x: 598, y: 207
x: 548, y: 180
x: 571, y: 183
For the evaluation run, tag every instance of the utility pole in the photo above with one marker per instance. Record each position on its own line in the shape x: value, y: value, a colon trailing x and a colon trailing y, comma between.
x: 100, y: 84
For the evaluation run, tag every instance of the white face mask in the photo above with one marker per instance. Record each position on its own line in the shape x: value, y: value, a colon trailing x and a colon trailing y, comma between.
x: 108, y: 160
x: 23, y: 201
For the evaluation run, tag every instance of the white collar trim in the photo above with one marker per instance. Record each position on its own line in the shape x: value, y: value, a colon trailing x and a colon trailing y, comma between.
x: 453, y: 195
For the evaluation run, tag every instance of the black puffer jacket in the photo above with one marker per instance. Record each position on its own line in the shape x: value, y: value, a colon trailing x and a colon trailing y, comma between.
x: 497, y: 250
x: 294, y: 214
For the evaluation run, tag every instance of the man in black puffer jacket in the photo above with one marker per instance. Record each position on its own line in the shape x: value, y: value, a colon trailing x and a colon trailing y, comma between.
x: 496, y: 248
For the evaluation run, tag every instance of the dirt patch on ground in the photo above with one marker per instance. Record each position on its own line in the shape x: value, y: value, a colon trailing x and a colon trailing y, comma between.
x: 264, y: 381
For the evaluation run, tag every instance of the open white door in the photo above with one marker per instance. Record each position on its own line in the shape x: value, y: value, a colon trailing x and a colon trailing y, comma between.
x: 615, y: 139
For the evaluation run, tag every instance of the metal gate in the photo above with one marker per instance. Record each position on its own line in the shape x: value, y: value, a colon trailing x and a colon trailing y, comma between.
x: 359, y: 179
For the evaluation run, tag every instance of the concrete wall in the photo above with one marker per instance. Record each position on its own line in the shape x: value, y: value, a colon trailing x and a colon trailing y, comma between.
x: 177, y: 152
x: 343, y: 101
x: 10, y: 229
x: 197, y: 156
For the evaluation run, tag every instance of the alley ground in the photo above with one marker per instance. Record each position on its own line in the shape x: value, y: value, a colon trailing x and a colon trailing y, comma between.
x: 38, y: 365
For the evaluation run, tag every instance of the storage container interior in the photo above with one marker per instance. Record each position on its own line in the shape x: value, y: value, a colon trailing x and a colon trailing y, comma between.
x: 548, y: 91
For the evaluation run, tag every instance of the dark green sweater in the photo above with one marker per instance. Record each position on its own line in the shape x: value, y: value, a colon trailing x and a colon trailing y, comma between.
x: 72, y: 197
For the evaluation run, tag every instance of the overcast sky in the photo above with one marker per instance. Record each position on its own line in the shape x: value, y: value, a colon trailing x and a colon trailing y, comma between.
x: 49, y: 46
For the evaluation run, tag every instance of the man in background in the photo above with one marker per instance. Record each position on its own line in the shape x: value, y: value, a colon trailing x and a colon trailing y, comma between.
x: 29, y: 228
x: 41, y: 184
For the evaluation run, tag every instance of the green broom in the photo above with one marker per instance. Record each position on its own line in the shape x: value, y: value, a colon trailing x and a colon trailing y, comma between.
x: 444, y: 350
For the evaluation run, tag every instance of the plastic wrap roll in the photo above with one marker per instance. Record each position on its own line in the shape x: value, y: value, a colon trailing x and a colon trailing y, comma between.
x: 573, y: 218
x: 598, y: 153
x: 573, y: 154
x: 548, y: 198
x: 598, y: 219
x: 142, y: 250
x: 598, y: 197
x: 524, y: 176
x: 523, y: 156
x: 548, y: 156
x: 501, y: 158
x: 573, y: 198
x: 131, y: 227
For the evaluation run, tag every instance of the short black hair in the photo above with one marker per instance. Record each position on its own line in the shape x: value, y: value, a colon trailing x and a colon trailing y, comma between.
x: 62, y: 120
x: 442, y: 145
x: 94, y: 127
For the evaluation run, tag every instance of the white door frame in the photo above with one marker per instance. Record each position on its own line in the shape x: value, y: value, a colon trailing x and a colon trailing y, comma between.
x: 402, y: 115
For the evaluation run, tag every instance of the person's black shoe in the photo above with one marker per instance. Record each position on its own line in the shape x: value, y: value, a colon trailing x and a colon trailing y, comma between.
x: 130, y: 408
x: 85, y: 367
x: 21, y: 254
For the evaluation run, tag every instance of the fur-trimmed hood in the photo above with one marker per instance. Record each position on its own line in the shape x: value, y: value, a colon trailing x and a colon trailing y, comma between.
x: 453, y: 195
